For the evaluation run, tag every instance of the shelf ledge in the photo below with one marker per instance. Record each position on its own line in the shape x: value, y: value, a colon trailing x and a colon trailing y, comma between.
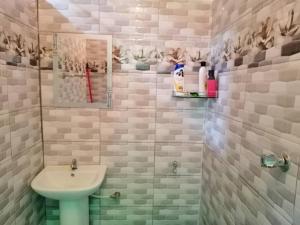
x: 191, y: 95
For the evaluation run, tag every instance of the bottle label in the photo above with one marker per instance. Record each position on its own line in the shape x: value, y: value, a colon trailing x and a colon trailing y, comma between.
x: 179, y: 80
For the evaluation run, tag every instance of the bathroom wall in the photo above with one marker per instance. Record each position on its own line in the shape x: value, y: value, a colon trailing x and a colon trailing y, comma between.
x: 146, y: 129
x: 255, y: 46
x: 21, y: 156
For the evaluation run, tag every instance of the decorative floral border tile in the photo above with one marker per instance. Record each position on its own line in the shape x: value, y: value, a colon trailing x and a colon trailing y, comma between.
x: 158, y: 55
x: 18, y: 44
x: 268, y: 38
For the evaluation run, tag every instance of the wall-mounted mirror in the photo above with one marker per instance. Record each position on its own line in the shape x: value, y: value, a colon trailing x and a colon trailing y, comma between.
x: 82, y: 66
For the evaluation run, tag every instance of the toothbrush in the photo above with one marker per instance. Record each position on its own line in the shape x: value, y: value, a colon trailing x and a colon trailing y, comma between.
x: 88, y: 74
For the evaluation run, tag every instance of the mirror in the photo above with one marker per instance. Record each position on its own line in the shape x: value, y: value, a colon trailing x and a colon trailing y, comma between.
x: 82, y: 66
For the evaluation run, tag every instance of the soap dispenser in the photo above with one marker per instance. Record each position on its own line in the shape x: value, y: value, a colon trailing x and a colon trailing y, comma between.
x: 202, y: 79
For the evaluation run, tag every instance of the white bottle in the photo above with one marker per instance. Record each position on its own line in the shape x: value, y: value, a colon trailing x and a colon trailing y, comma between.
x: 202, y: 79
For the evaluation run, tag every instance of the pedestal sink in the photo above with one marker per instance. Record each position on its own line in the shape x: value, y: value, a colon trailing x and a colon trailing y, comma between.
x: 71, y: 188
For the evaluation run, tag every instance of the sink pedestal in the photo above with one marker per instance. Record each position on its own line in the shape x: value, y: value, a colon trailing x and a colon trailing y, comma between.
x: 72, y: 191
x: 74, y: 212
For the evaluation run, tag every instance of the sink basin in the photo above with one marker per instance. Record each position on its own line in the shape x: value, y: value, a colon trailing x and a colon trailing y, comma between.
x: 56, y: 182
x: 71, y: 188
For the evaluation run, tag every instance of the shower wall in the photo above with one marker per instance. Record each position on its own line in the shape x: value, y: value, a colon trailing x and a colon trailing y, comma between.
x: 21, y: 156
x: 146, y: 129
x: 255, y: 46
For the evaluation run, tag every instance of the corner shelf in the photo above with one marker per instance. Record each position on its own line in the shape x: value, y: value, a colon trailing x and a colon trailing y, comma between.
x: 191, y: 95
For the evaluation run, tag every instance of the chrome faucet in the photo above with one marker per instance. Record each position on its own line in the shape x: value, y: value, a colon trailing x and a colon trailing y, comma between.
x: 272, y: 161
x: 74, y: 165
x: 175, y: 165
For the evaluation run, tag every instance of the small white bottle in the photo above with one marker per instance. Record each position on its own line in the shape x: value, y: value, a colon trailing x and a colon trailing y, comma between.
x: 202, y: 79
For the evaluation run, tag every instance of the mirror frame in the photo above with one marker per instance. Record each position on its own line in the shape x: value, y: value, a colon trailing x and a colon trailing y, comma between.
x: 99, y: 105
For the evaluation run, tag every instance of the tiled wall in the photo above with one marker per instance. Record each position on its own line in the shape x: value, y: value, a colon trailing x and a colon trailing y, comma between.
x: 21, y: 156
x: 138, y: 139
x: 257, y: 113
x: 255, y: 46
x: 146, y: 129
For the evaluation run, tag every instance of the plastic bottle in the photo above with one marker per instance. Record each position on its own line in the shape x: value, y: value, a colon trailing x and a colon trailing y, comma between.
x: 179, y: 78
x: 202, y: 79
x: 211, y: 84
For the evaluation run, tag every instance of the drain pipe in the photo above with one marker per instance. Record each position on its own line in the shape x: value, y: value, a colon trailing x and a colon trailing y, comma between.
x: 115, y: 196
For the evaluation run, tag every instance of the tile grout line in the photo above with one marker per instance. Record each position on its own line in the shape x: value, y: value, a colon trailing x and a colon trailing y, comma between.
x: 154, y: 150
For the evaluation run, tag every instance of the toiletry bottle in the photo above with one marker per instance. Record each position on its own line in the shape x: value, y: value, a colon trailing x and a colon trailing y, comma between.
x: 179, y: 78
x: 211, y: 84
x: 202, y: 79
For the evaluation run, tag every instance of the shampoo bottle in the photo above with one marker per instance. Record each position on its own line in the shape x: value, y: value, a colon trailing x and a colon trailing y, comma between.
x: 179, y: 78
x: 202, y: 79
x: 211, y: 84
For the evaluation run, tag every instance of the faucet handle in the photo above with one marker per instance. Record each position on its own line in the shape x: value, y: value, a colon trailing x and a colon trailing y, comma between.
x: 175, y: 165
x: 272, y: 161
x: 74, y: 164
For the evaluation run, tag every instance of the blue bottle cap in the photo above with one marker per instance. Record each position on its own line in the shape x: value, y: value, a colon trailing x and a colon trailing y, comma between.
x: 179, y: 66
